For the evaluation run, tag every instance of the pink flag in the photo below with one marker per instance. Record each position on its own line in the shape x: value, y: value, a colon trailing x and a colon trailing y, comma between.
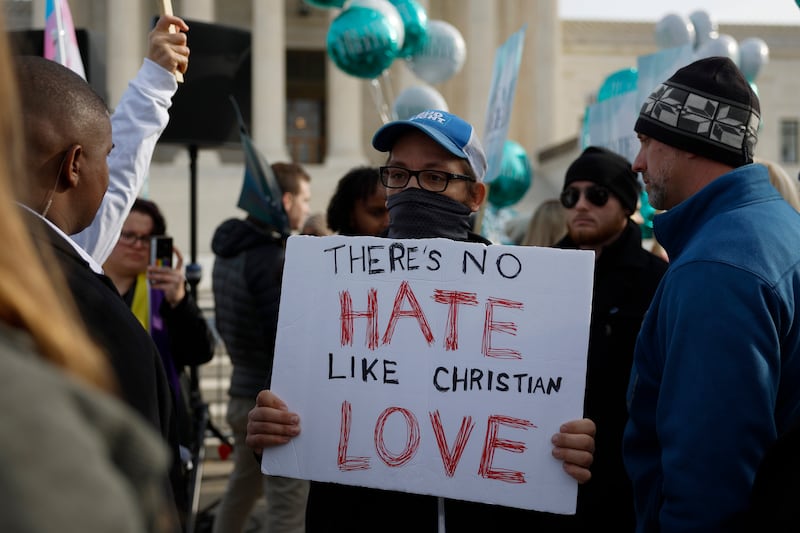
x: 60, y: 43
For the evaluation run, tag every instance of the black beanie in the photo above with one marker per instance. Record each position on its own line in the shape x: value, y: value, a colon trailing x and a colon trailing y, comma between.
x: 707, y: 108
x: 609, y: 169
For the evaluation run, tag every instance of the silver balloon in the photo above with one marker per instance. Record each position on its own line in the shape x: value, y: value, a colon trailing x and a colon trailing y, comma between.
x: 673, y: 31
x: 388, y: 10
x: 442, y: 56
x: 704, y: 28
x: 723, y: 45
x: 416, y: 99
x: 753, y: 55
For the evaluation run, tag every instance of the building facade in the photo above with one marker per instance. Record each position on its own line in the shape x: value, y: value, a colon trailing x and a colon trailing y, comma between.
x: 303, y: 108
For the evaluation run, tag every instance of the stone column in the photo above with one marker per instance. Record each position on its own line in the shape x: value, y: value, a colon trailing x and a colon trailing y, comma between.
x: 346, y: 101
x: 480, y: 34
x: 269, y: 79
x: 345, y: 117
x: 125, y: 42
x: 545, y: 37
x: 200, y: 10
x: 37, y: 13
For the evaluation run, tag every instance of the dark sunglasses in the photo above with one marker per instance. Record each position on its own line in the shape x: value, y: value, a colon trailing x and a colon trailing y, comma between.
x: 596, y: 194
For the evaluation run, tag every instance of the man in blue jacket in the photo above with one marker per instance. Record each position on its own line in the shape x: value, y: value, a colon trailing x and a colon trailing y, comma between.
x: 716, y: 375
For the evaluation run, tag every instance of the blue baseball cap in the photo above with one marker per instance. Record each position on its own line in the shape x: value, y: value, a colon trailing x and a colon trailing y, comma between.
x: 452, y: 133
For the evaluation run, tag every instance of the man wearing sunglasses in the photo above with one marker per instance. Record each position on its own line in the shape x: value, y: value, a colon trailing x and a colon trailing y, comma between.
x: 434, y: 182
x: 600, y: 194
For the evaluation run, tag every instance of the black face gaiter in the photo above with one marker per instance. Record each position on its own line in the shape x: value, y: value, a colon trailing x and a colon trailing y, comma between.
x: 420, y: 214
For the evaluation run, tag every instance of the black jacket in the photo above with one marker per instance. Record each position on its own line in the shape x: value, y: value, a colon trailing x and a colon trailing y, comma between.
x: 625, y: 279
x: 132, y: 353
x: 186, y: 340
x: 246, y: 280
x: 191, y: 341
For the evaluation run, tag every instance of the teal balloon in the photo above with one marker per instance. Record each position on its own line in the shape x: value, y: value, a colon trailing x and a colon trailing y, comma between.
x: 362, y: 42
x: 325, y: 4
x: 619, y: 82
x: 515, y: 178
x: 387, y: 10
x: 494, y: 223
x: 648, y: 212
x: 415, y: 21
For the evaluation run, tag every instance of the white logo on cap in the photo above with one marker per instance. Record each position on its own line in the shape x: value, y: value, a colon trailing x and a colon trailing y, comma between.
x: 431, y: 115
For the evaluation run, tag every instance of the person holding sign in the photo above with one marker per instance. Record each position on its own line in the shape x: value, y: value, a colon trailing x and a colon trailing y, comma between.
x: 716, y: 370
x: 434, y: 182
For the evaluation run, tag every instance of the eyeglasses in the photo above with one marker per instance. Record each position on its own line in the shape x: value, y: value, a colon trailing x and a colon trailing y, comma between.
x: 130, y: 238
x: 596, y: 194
x: 430, y: 180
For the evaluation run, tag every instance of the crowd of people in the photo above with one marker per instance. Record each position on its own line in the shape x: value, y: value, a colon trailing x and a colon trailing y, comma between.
x: 78, y: 175
x: 691, y: 408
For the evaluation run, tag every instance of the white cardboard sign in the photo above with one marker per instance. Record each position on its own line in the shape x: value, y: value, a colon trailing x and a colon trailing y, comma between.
x: 432, y: 366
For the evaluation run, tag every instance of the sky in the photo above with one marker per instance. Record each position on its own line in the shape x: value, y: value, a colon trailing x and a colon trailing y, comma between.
x: 785, y: 12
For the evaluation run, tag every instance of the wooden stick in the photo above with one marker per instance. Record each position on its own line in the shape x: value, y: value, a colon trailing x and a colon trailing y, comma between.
x: 166, y: 9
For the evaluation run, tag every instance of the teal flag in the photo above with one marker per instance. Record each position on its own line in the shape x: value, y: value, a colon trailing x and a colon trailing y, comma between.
x: 261, y: 195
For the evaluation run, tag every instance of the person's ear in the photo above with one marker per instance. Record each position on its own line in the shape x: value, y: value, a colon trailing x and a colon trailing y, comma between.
x: 287, y: 200
x: 69, y: 173
x: 67, y: 177
x: 477, y: 195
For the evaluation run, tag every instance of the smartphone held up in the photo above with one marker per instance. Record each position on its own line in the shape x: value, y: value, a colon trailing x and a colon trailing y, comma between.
x: 161, y: 251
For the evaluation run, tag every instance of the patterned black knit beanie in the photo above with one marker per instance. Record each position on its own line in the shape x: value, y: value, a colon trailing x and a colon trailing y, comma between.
x: 707, y: 108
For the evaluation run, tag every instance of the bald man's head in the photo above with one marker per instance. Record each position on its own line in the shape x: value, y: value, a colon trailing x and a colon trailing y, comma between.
x: 68, y: 136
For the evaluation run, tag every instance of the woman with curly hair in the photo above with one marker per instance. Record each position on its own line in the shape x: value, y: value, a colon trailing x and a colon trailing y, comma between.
x: 358, y: 206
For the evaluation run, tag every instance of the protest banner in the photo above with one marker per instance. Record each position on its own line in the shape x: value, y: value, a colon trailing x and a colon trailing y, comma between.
x: 610, y: 124
x: 501, y: 97
x: 432, y: 366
